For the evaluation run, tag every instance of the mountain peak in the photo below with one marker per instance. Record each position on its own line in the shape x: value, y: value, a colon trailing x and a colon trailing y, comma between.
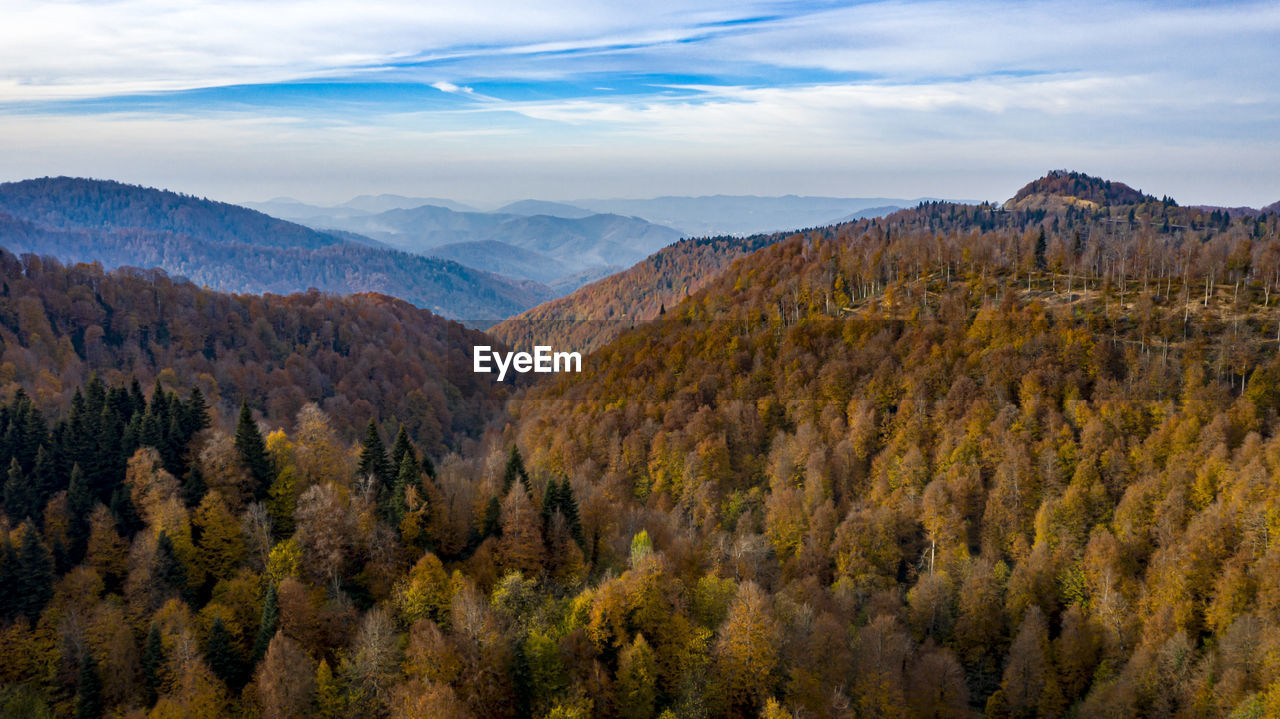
x: 1066, y: 187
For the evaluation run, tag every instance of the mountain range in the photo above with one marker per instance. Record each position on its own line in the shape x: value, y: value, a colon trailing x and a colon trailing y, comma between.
x: 231, y: 248
x: 1007, y: 460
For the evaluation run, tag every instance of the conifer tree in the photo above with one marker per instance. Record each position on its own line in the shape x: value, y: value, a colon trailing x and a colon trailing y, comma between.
x: 328, y: 693
x: 152, y: 661
x: 8, y: 572
x: 19, y: 496
x: 253, y: 451
x: 515, y: 470
x: 195, y: 415
x: 89, y: 689
x: 193, y: 486
x: 373, y: 457
x: 220, y: 651
x: 79, y: 503
x: 33, y: 580
x: 267, y: 624
x: 401, y: 448
x: 407, y: 477
x: 168, y: 571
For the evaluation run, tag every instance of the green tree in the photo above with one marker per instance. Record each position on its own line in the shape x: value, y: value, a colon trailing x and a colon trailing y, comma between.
x: 220, y: 651
x: 267, y: 624
x: 253, y: 452
x: 33, y: 580
x: 152, y: 662
x: 373, y: 457
x: 89, y: 689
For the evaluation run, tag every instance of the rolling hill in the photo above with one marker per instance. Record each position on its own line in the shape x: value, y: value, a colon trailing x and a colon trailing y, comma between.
x: 597, y: 312
x: 573, y: 244
x: 235, y: 249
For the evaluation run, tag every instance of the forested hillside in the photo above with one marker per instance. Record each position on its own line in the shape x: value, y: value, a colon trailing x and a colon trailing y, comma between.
x: 598, y: 312
x: 955, y: 462
x: 359, y: 357
x: 234, y: 249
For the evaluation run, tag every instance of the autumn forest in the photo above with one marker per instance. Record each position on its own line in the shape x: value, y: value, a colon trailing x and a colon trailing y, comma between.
x: 1016, y: 460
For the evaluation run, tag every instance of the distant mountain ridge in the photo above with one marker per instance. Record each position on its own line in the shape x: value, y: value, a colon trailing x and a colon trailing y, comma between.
x: 711, y: 215
x: 571, y: 245
x: 1062, y: 186
x: 235, y: 249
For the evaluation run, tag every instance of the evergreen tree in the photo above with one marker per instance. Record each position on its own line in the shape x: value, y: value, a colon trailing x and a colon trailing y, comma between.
x: 514, y: 470
x: 407, y: 477
x: 127, y: 520
x: 267, y: 624
x: 19, y: 495
x: 152, y: 661
x: 195, y: 414
x: 521, y: 680
x: 253, y: 452
x: 33, y: 580
x: 401, y: 448
x: 168, y: 572
x: 1041, y: 249
x: 137, y: 401
x: 569, y: 507
x: 193, y: 486
x: 8, y: 573
x: 373, y: 457
x: 89, y: 689
x: 220, y: 651
x: 44, y: 477
x: 491, y: 526
x: 79, y: 503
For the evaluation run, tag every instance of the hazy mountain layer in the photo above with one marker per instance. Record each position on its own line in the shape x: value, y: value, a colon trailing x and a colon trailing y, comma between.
x: 235, y: 249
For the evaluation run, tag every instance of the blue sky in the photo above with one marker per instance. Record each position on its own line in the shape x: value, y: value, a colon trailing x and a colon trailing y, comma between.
x: 493, y: 101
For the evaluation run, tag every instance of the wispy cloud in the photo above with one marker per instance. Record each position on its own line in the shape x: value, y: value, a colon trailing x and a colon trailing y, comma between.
x: 733, y: 93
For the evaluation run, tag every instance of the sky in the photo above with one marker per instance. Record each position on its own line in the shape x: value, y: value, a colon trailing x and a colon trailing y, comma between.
x: 487, y: 101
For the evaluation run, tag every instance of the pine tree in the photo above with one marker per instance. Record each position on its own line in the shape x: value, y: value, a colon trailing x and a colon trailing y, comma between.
x: 220, y: 651
x: 267, y: 624
x: 127, y: 520
x: 253, y: 452
x: 521, y: 681
x: 195, y: 414
x: 137, y: 401
x: 33, y: 580
x: 491, y: 526
x: 44, y: 477
x: 19, y: 496
x: 407, y: 477
x: 569, y: 507
x: 193, y: 486
x: 373, y: 457
x: 515, y: 470
x: 152, y: 662
x: 89, y: 689
x: 8, y: 573
x: 168, y: 571
x: 401, y: 448
x: 79, y: 503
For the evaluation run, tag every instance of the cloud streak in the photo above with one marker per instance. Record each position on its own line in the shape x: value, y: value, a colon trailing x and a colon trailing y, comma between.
x: 718, y: 89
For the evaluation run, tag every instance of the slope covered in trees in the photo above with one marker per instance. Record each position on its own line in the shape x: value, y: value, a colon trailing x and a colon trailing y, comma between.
x: 234, y: 249
x: 959, y: 461
x: 359, y: 356
x: 596, y: 313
